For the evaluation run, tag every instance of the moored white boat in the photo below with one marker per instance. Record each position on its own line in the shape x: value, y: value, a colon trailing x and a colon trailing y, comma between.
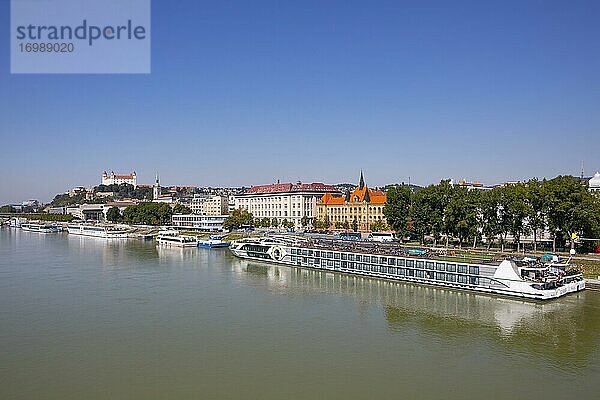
x: 507, y: 277
x: 40, y: 228
x: 96, y: 231
x: 174, y: 239
x: 213, y: 241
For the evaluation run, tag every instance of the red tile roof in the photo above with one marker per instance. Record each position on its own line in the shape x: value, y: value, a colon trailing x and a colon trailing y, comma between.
x: 356, y: 196
x: 289, y: 187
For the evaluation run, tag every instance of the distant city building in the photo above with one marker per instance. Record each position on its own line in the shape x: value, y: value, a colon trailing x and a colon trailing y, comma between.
x: 283, y: 201
x: 56, y: 210
x: 231, y: 203
x: 31, y: 203
x: 198, y: 222
x: 363, y: 206
x: 88, y: 212
x: 77, y: 190
x: 475, y: 185
x: 114, y: 179
x: 594, y: 183
x: 92, y: 212
x: 209, y: 205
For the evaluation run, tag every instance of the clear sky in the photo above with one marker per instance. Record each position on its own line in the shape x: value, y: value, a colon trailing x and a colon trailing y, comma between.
x: 248, y: 92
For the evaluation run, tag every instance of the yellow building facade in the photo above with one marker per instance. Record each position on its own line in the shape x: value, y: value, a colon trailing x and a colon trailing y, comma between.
x: 362, y: 206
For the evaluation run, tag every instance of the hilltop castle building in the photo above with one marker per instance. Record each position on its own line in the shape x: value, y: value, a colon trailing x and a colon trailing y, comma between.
x: 114, y: 179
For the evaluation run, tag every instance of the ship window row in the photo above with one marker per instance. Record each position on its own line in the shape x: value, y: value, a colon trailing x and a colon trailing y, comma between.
x: 439, y: 276
x: 255, y: 249
x: 391, y: 261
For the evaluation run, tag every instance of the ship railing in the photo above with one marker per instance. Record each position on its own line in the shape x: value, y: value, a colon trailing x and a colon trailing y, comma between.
x: 387, y: 250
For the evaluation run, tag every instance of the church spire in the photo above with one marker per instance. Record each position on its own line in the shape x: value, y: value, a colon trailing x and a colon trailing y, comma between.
x: 361, y: 183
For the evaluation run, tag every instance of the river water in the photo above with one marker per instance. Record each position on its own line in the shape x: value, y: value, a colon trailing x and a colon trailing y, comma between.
x: 86, y: 318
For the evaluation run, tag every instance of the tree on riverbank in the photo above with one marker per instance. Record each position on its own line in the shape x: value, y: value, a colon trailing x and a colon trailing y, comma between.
x: 397, y: 209
x: 148, y: 214
x: 238, y: 218
x: 8, y: 209
x: 562, y: 205
x: 181, y: 209
x: 113, y: 214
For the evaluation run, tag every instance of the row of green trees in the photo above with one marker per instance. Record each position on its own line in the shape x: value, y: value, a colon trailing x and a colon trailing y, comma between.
x: 241, y: 217
x: 272, y: 223
x: 325, y: 223
x: 7, y: 209
x: 125, y: 190
x: 146, y: 213
x: 563, y: 206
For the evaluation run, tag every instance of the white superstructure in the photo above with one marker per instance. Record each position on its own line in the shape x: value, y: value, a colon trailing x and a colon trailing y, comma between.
x: 506, y: 277
x: 174, y: 239
x: 96, y: 231
x: 40, y: 228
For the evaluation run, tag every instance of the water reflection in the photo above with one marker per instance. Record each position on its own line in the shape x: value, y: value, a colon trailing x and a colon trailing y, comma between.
x: 565, y: 331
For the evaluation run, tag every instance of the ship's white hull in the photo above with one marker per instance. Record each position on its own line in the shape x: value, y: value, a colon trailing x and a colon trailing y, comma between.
x: 521, y: 289
x: 95, y: 232
x: 167, y: 243
x: 40, y: 229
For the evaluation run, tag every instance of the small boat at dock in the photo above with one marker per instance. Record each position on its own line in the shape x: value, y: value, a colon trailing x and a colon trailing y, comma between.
x: 174, y: 239
x: 40, y: 228
x: 213, y: 242
x: 96, y: 231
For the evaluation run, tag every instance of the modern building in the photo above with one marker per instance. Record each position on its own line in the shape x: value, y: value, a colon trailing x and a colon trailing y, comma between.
x: 231, y: 201
x: 362, y: 206
x: 283, y: 201
x: 114, y: 179
x: 198, y: 222
x: 88, y: 212
x: 56, y: 210
x: 209, y: 205
x: 93, y: 212
x: 31, y: 203
x: 594, y: 183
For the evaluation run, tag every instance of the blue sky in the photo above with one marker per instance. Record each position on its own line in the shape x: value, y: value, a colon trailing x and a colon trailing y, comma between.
x: 246, y: 93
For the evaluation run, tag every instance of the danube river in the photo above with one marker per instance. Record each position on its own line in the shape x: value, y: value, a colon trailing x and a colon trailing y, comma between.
x: 86, y: 318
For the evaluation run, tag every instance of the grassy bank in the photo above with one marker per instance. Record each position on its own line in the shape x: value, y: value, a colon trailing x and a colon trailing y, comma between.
x: 590, y: 268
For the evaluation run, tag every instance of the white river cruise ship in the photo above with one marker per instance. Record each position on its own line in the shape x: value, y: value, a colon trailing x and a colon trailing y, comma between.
x: 40, y: 228
x: 96, y: 231
x: 526, y: 279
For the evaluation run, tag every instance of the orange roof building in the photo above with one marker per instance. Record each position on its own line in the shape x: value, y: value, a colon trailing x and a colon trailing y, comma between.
x: 362, y: 207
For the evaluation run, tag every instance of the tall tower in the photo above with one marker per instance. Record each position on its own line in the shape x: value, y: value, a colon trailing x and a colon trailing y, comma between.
x: 156, y: 189
x: 361, y: 183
